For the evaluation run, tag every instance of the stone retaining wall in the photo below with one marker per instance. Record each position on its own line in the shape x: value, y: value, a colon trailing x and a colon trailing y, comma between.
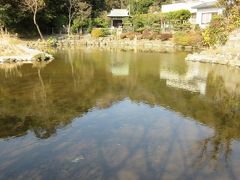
x: 124, y: 44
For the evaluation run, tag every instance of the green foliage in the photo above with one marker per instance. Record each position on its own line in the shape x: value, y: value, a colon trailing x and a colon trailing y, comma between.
x: 179, y: 20
x: 127, y: 25
x: 99, y: 32
x: 59, y: 21
x: 4, y: 17
x: 180, y: 15
x: 233, y: 18
x: 187, y: 38
x: 216, y: 32
x: 166, y: 2
x: 138, y: 21
x: 78, y: 24
x: 12, y: 17
x: 100, y: 23
x: 182, y: 26
x: 52, y: 41
x: 156, y: 27
x: 146, y: 20
x: 221, y: 25
x: 142, y: 6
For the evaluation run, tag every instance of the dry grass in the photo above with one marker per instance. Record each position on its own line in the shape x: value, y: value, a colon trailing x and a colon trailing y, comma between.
x: 8, y: 45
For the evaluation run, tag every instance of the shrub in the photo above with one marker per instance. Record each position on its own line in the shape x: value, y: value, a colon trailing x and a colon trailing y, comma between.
x: 146, y: 20
x: 166, y: 36
x: 99, y: 32
x: 179, y: 19
x: 127, y: 25
x: 234, y: 18
x: 156, y: 27
x: 102, y: 21
x: 147, y: 34
x: 78, y: 23
x: 216, y: 32
x: 52, y: 41
x: 187, y: 38
x: 181, y: 15
x: 140, y: 30
x: 129, y: 35
x: 138, y: 22
x: 219, y: 28
x: 182, y: 26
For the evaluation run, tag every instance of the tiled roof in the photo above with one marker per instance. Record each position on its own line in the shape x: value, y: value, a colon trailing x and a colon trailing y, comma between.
x: 206, y: 5
x: 119, y: 13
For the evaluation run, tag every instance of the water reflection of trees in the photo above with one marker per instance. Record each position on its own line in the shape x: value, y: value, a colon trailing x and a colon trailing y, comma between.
x: 11, y: 69
x: 57, y: 95
x: 226, y: 105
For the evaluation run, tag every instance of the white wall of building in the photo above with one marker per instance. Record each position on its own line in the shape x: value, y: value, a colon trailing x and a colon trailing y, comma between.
x: 179, y: 6
x: 201, y: 20
x: 197, y: 13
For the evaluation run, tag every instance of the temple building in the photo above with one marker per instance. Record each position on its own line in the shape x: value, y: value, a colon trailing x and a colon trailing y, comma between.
x: 117, y: 16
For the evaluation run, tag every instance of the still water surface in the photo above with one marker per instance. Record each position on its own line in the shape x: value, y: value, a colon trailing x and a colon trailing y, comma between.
x: 94, y: 114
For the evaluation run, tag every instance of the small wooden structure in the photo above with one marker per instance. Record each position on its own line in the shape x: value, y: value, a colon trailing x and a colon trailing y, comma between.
x: 117, y: 16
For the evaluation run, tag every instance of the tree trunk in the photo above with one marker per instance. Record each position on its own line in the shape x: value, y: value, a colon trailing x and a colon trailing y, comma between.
x: 69, y: 20
x: 69, y: 27
x: 36, y: 24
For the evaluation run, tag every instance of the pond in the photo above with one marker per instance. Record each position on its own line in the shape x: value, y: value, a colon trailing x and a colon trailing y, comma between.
x: 97, y: 114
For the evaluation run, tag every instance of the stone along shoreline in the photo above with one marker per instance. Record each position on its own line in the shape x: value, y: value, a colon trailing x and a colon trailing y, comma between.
x: 27, y: 54
x: 114, y: 43
x: 14, y: 50
x: 229, y: 54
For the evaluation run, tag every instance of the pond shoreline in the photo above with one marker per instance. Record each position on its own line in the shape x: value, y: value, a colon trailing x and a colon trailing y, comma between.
x: 15, y: 50
x: 227, y: 54
x: 30, y: 55
x: 114, y: 43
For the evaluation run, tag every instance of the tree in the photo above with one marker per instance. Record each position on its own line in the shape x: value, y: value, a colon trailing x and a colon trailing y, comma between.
x: 142, y: 6
x: 77, y: 8
x: 34, y: 6
x: 228, y: 5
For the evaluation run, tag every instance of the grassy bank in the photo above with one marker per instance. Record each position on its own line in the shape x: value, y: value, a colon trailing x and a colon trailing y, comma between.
x: 13, y: 49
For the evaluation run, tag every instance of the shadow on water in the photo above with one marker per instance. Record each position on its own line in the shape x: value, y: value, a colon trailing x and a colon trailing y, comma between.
x: 135, y: 115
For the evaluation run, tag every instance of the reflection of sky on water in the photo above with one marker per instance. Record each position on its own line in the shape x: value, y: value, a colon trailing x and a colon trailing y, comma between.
x: 123, y: 141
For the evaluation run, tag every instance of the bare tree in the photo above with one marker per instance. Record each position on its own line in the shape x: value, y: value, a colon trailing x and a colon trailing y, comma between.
x: 34, y: 6
x: 77, y: 8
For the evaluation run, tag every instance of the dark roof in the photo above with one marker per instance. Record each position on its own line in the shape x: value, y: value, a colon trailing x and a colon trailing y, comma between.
x: 206, y: 5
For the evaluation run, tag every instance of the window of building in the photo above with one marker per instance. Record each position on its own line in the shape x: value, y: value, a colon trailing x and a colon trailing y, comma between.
x: 207, y: 17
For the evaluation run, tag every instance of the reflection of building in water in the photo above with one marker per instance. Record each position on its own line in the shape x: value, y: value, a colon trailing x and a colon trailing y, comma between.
x: 194, y: 80
x: 120, y: 67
